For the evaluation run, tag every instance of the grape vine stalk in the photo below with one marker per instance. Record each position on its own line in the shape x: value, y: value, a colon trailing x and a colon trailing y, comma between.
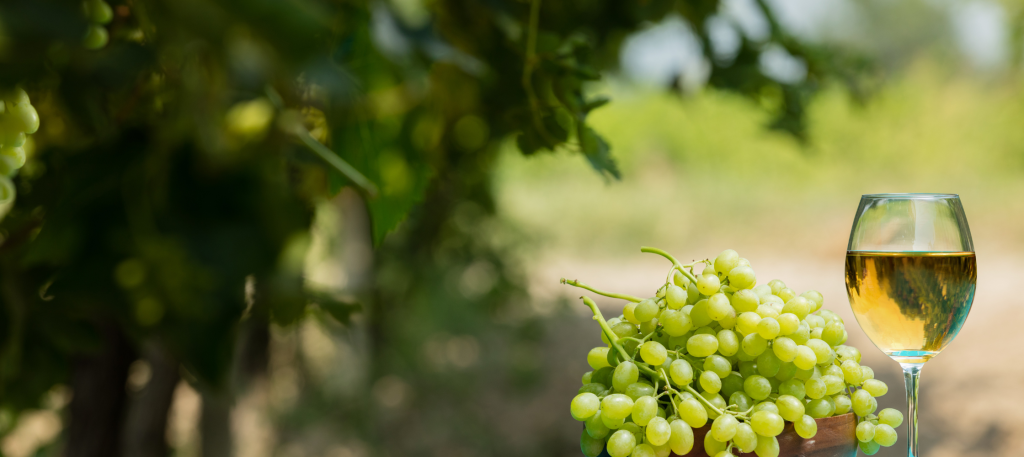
x: 713, y: 345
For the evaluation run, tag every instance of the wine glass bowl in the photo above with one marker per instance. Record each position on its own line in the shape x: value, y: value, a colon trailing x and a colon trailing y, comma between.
x: 910, y: 276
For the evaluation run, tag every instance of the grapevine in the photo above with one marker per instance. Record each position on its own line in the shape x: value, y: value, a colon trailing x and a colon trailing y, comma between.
x: 713, y: 345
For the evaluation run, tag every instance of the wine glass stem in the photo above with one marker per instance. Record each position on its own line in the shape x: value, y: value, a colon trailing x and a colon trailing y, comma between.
x: 911, y: 375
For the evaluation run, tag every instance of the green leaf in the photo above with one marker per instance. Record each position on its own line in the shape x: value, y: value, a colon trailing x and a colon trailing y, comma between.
x: 598, y: 153
x: 339, y: 309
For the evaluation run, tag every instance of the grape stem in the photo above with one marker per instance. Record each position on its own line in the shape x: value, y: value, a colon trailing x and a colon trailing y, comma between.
x: 675, y: 263
x: 612, y: 337
x: 573, y: 282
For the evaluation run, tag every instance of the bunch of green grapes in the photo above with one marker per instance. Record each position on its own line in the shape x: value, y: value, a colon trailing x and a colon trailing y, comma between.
x: 18, y: 119
x: 713, y: 345
x: 99, y: 13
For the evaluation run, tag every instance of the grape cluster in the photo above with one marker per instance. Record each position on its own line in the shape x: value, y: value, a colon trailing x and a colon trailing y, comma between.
x: 760, y: 355
x: 99, y: 13
x: 18, y: 119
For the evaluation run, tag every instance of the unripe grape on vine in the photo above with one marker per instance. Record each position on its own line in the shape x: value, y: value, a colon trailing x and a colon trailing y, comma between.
x: 18, y: 120
x: 714, y: 348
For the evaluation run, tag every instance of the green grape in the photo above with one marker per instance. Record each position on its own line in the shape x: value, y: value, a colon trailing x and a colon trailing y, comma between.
x: 784, y: 348
x: 643, y: 450
x: 639, y: 389
x: 768, y: 328
x: 631, y: 427
x: 705, y: 330
x: 747, y: 322
x: 790, y: 407
x: 675, y: 323
x: 863, y: 403
x: 766, y: 406
x: 602, y: 376
x: 798, y: 306
x: 681, y: 440
x: 865, y: 431
x: 753, y: 344
x: 787, y: 294
x: 665, y: 450
x: 745, y: 439
x: 13, y: 155
x: 845, y: 353
x: 851, y: 372
x: 802, y: 334
x: 725, y: 262
x: 757, y: 387
x: 625, y: 373
x: 768, y: 365
x: 866, y: 373
x: 745, y: 300
x: 742, y: 401
x: 692, y: 293
x: 612, y: 423
x: 748, y: 369
x: 598, y: 358
x: 815, y: 388
x: 584, y: 406
x: 679, y: 279
x: 621, y: 443
x: 725, y: 453
x: 794, y: 388
x: 644, y: 409
x: 843, y: 404
x: 786, y: 371
x: 822, y: 351
x: 716, y: 400
x: 691, y: 411
x: 767, y: 446
x: 805, y: 358
x: 833, y: 385
x: 875, y: 387
x: 587, y: 377
x: 710, y: 382
x: 658, y: 431
x: 777, y: 285
x: 720, y: 365
x: 728, y: 343
x: 869, y: 448
x: 699, y: 314
x: 675, y: 296
x: 819, y: 408
x: 762, y: 291
x: 767, y: 423
x: 742, y: 278
x: 593, y: 387
x: 731, y: 384
x: 708, y: 284
x: 833, y: 333
x: 742, y: 356
x: 885, y: 435
x: 627, y: 313
x: 654, y: 353
x: 646, y: 310
x: 805, y: 427
x: 624, y: 329
x: 788, y: 323
x: 724, y: 428
x: 729, y: 321
x: 596, y: 427
x: 617, y: 406
x: 719, y: 307
x: 702, y: 345
x: 681, y: 372
x: 95, y: 37
x: 809, y: 373
x: 815, y: 321
x: 648, y: 327
x: 98, y: 11
x: 890, y: 417
x: 591, y: 447
x: 713, y: 446
x: 815, y: 297
x: 767, y: 310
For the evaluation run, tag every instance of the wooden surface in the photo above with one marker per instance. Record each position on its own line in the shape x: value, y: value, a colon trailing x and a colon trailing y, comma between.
x: 837, y: 437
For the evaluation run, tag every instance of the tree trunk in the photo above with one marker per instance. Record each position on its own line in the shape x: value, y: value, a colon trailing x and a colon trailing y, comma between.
x: 145, y: 432
x: 97, y: 407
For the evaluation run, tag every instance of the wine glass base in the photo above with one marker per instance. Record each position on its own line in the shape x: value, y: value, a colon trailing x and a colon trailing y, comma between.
x: 911, y: 357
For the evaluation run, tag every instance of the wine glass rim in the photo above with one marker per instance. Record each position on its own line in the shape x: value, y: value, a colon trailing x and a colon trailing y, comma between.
x: 911, y: 195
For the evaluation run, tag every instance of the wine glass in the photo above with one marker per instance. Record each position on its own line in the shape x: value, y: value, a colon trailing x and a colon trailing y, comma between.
x: 910, y: 276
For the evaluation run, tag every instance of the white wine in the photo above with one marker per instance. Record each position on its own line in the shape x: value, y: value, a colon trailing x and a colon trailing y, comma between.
x: 911, y: 304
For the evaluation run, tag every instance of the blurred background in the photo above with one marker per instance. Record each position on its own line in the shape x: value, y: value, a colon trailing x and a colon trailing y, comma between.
x: 336, y: 228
